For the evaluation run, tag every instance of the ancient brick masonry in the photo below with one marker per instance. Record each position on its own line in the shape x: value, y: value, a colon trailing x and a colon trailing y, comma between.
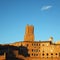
x: 29, y: 33
x: 37, y: 50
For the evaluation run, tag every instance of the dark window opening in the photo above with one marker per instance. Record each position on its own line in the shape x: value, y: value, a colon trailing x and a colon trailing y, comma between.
x: 32, y: 50
x: 32, y: 54
x: 27, y: 45
x: 59, y: 54
x: 36, y: 54
x: 32, y: 44
x: 56, y: 53
x: 39, y: 50
x: 39, y: 44
x: 47, y: 54
x: 43, y: 51
x: 51, y: 53
x: 43, y: 54
x: 42, y: 44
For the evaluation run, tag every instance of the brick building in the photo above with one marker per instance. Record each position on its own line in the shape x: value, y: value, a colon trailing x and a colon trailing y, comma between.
x: 39, y: 50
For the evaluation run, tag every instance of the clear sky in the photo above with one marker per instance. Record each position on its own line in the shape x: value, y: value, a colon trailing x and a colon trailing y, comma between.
x: 16, y: 14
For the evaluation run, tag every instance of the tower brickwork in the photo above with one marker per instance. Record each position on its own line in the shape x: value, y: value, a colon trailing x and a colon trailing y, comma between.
x: 29, y: 33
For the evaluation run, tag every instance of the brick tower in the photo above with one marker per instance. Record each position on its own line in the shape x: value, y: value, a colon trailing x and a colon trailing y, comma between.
x: 29, y: 33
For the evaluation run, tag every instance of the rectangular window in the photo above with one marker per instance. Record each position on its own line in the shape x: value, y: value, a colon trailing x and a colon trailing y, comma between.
x: 59, y: 54
x: 27, y: 45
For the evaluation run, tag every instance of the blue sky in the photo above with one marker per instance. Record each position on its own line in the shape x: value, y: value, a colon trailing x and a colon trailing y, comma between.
x: 16, y: 14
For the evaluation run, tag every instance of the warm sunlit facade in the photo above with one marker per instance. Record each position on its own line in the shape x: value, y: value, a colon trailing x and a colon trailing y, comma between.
x: 39, y: 50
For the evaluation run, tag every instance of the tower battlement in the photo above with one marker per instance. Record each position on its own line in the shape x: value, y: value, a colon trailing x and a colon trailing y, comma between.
x: 29, y: 33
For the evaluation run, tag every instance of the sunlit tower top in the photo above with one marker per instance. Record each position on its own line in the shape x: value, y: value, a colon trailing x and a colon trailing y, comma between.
x: 29, y: 33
